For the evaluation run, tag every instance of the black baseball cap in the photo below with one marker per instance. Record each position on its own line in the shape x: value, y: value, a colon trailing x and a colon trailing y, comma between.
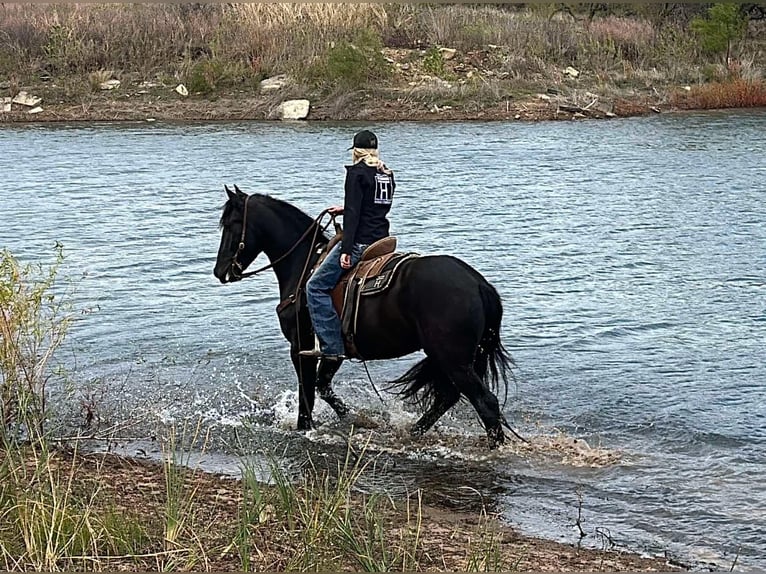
x: 365, y: 140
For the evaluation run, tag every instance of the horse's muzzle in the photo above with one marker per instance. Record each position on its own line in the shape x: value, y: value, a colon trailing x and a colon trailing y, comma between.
x: 229, y: 275
x: 234, y: 273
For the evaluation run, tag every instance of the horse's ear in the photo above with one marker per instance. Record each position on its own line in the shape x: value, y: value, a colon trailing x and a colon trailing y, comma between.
x: 229, y: 192
x: 237, y: 189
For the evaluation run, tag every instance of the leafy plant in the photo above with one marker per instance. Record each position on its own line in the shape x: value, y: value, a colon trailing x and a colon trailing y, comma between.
x: 433, y: 62
x: 723, y: 26
x: 33, y: 323
x: 352, y: 64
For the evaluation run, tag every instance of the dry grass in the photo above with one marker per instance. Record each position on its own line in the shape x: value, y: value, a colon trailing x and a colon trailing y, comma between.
x: 718, y: 95
x: 266, y: 38
x: 103, y: 513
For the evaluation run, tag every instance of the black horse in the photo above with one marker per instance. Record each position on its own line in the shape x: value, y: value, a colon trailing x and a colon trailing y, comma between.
x: 437, y: 303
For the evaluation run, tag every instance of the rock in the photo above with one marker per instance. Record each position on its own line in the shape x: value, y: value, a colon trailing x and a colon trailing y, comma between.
x: 24, y: 99
x: 688, y: 88
x: 4, y: 85
x: 571, y: 72
x: 5, y: 105
x: 273, y: 84
x: 517, y: 117
x: 181, y: 89
x: 36, y: 110
x: 293, y: 109
x: 545, y: 97
x: 448, y: 53
x: 109, y: 84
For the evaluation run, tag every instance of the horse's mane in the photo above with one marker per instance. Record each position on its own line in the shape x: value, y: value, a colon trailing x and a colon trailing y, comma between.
x: 288, y: 210
x: 295, y: 218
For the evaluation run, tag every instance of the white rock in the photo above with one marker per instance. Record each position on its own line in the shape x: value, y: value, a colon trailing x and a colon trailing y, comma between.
x: 688, y: 88
x: 293, y: 109
x: 24, y: 99
x: 36, y: 110
x: 5, y: 105
x: 570, y: 71
x: 273, y: 84
x: 545, y: 97
x: 447, y: 53
x: 181, y: 89
x: 517, y: 117
x: 109, y: 84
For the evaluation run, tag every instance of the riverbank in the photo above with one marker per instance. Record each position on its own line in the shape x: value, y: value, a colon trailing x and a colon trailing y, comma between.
x: 176, y: 518
x: 411, y: 94
x: 369, y: 63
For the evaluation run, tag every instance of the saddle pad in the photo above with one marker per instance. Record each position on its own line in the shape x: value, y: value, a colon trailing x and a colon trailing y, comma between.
x: 382, y: 280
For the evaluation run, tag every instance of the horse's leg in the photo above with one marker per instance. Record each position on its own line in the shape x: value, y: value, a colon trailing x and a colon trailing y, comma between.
x: 446, y: 396
x: 306, y: 369
x: 482, y: 399
x: 325, y: 373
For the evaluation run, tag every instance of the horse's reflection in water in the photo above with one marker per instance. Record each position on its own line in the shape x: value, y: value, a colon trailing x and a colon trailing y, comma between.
x: 437, y: 303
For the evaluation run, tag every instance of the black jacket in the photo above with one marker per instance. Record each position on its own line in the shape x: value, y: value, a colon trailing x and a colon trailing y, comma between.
x: 369, y: 194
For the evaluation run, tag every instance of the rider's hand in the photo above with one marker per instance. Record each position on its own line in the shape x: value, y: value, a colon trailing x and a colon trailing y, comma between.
x: 335, y: 210
x: 345, y: 261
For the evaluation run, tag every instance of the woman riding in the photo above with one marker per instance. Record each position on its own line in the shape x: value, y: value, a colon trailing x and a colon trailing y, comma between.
x: 369, y: 192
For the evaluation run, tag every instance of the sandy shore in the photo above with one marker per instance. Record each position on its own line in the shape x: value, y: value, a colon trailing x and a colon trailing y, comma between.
x: 136, y: 488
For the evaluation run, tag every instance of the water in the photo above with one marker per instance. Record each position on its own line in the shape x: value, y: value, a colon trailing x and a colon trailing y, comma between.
x: 630, y: 256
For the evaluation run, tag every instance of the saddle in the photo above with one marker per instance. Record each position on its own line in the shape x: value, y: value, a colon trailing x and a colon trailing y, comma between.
x: 373, y: 275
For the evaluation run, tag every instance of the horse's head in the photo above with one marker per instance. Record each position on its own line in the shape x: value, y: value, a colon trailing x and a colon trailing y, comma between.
x: 238, y: 249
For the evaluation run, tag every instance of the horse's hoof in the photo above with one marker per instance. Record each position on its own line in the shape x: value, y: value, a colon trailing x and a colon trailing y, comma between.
x: 305, y: 425
x: 496, y: 438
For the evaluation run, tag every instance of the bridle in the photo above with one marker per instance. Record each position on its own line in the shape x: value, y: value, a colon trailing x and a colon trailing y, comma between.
x: 315, y: 226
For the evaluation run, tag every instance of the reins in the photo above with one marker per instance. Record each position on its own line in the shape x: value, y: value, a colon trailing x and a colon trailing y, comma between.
x: 314, y: 226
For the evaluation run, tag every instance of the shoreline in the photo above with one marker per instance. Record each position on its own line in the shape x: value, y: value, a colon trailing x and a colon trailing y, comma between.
x: 448, y: 535
x: 248, y: 107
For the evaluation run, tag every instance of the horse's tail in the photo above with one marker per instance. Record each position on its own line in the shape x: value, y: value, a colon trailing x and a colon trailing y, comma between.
x: 419, y: 382
x: 493, y: 363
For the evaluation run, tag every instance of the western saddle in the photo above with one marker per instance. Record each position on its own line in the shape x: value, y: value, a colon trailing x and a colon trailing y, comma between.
x: 373, y: 275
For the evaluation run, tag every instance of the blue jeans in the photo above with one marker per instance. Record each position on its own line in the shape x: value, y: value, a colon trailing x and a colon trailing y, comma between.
x: 318, y: 292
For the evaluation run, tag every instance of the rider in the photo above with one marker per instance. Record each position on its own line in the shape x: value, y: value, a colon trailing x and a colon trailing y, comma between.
x: 369, y: 191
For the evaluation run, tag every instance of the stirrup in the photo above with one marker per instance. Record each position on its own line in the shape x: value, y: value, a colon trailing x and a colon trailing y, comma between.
x: 315, y: 352
x: 311, y: 353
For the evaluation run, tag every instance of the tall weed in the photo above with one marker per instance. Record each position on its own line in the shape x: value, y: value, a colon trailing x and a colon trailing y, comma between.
x: 33, y: 323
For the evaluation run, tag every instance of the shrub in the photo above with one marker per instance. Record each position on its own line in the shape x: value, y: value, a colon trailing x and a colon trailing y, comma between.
x: 433, y: 62
x: 724, y: 25
x: 352, y: 64
x: 718, y: 95
x: 33, y: 323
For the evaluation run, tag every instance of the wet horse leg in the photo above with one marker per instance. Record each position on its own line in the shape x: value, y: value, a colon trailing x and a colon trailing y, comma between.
x: 485, y: 403
x: 446, y: 397
x: 305, y: 368
x: 325, y: 373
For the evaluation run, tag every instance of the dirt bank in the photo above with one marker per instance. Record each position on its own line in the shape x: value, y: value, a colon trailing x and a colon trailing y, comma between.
x: 474, y: 91
x: 137, y: 489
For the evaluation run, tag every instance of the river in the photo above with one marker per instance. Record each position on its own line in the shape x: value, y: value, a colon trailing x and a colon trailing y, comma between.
x: 630, y: 256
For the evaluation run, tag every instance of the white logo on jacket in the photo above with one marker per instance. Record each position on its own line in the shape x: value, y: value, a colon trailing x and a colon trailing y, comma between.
x: 384, y: 190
